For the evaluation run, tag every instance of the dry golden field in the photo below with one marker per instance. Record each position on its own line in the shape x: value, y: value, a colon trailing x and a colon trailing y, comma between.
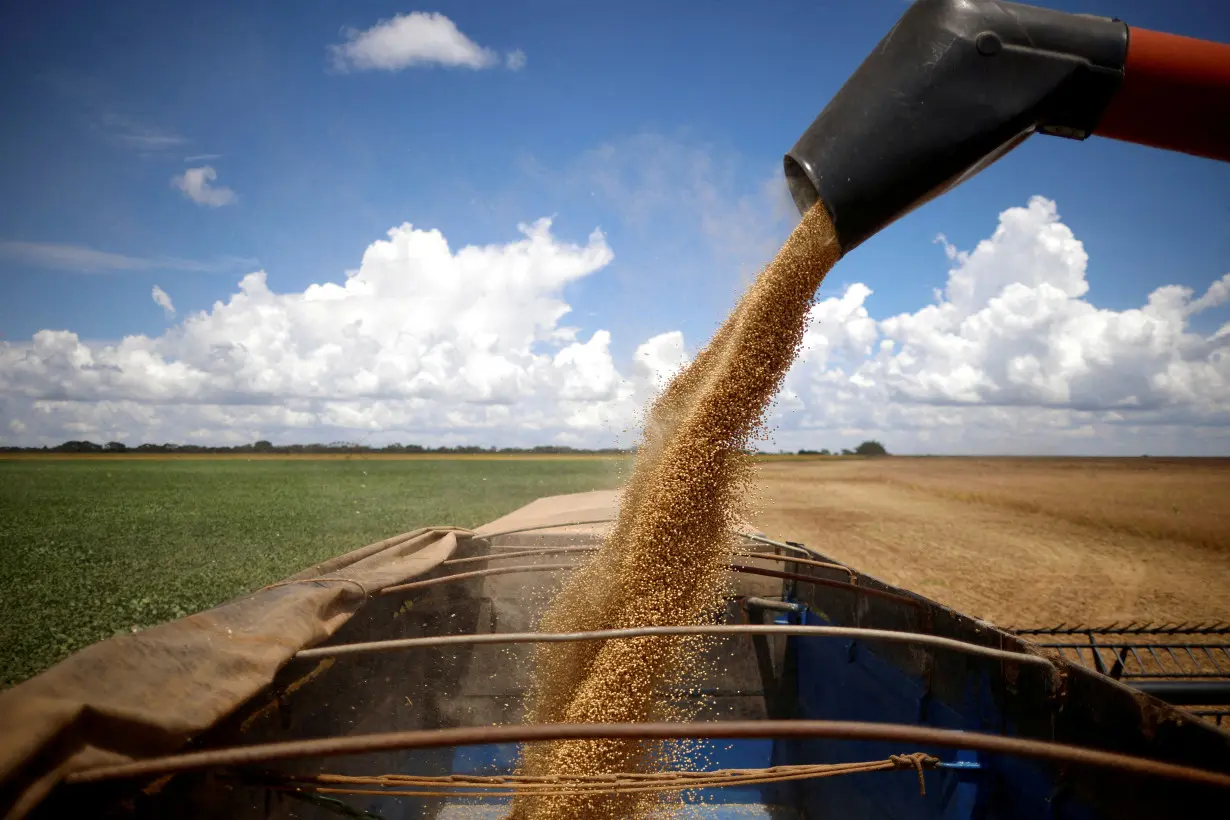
x: 1017, y: 541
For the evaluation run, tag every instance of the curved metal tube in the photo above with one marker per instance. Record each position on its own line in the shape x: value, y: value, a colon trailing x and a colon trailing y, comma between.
x: 528, y: 551
x: 478, y: 573
x: 520, y: 554
x: 488, y: 535
x: 760, y: 539
x: 476, y: 735
x: 854, y: 633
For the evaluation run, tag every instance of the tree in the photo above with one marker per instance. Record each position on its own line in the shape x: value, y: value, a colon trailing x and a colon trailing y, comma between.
x: 78, y: 447
x: 847, y: 452
x: 825, y: 453
x: 263, y: 446
x: 115, y: 447
x: 871, y: 448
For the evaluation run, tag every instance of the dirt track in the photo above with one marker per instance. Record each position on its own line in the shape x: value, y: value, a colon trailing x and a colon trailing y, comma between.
x: 1021, y: 541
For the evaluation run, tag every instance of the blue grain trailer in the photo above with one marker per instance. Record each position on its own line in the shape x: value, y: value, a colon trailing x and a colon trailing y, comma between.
x: 829, y: 693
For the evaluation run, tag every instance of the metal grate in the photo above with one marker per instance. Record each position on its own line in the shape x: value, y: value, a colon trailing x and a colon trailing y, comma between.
x: 1130, y: 628
x: 1134, y: 651
x: 1214, y: 715
x: 1186, y: 664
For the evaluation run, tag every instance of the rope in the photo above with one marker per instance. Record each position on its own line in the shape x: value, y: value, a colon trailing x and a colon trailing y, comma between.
x: 916, y: 761
x: 579, y: 785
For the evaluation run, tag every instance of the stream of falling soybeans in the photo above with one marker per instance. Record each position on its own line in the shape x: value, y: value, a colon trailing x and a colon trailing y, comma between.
x: 666, y: 559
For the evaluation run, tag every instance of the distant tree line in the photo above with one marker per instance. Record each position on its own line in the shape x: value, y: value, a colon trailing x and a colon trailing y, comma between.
x: 867, y: 448
x: 343, y: 447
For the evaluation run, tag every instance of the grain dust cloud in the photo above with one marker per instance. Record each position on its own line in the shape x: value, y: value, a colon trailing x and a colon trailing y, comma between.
x: 666, y: 559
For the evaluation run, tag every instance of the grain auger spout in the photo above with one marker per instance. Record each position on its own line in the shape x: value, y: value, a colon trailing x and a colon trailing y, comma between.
x: 956, y: 84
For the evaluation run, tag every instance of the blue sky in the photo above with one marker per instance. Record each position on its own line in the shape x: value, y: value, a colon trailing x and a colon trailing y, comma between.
x: 659, y: 123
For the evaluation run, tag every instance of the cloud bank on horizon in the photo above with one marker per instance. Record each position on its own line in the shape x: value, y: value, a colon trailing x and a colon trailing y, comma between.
x: 429, y: 344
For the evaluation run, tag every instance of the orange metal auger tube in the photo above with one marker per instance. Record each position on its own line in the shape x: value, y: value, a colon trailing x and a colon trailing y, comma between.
x: 1175, y: 95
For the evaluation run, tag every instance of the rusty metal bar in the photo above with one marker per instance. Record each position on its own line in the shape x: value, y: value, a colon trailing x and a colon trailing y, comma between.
x: 473, y: 735
x: 855, y: 633
x: 760, y: 539
x: 520, y: 554
x: 484, y: 536
x: 770, y: 573
x: 528, y: 551
x: 806, y: 561
x: 827, y: 582
x: 478, y: 573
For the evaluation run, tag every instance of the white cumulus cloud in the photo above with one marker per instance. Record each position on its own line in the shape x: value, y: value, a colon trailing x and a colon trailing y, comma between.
x: 515, y: 60
x: 163, y: 300
x: 197, y: 185
x: 1014, y: 329
x: 415, y: 39
x: 660, y: 358
x: 428, y: 343
x: 420, y: 341
x: 1013, y: 357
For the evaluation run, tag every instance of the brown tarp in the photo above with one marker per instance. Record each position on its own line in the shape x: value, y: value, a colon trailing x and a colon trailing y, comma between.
x: 149, y: 693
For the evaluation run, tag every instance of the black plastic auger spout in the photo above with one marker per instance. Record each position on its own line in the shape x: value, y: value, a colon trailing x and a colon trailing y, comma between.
x: 954, y: 86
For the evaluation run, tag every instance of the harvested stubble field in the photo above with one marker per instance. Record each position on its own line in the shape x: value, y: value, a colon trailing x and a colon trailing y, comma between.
x: 94, y: 545
x: 1020, y: 541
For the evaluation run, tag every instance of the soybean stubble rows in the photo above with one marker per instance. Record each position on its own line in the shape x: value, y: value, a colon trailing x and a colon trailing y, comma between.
x: 1024, y: 541
x: 93, y: 545
x: 96, y: 545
